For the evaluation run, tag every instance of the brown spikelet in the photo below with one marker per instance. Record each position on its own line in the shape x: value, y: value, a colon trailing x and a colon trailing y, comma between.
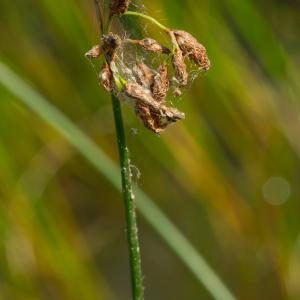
x: 157, y: 121
x: 192, y: 48
x: 105, y: 77
x: 118, y: 7
x: 109, y: 43
x: 155, y: 116
x: 152, y: 45
x: 95, y: 52
x: 179, y: 66
x: 141, y: 94
x: 144, y: 113
x: 178, y: 63
x: 143, y: 74
x: 160, y: 84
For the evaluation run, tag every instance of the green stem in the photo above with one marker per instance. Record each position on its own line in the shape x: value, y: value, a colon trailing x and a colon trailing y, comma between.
x: 152, y: 20
x: 130, y: 214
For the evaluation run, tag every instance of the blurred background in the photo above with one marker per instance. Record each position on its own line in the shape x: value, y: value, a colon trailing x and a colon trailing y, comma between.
x: 227, y: 176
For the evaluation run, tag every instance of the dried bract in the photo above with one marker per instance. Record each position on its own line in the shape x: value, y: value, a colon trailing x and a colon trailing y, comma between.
x: 192, y: 48
x: 160, y: 84
x: 152, y: 45
x: 105, y: 78
x: 118, y: 7
x: 95, y: 52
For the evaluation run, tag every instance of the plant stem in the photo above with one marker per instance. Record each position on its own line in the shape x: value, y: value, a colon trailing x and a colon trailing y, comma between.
x: 130, y: 214
x: 154, y: 21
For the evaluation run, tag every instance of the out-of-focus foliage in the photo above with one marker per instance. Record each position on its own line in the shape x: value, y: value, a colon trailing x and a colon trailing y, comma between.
x: 231, y: 168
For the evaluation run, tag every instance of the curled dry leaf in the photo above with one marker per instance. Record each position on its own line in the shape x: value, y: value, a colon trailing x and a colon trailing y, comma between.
x: 105, y: 77
x: 192, y: 48
x: 118, y: 7
x: 160, y: 84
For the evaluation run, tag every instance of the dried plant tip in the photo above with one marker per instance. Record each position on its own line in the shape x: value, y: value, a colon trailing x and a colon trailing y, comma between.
x: 143, y: 74
x: 152, y: 45
x: 191, y: 47
x: 118, y: 7
x: 95, y: 52
x: 160, y: 84
x: 178, y: 63
x: 109, y: 43
x: 105, y: 77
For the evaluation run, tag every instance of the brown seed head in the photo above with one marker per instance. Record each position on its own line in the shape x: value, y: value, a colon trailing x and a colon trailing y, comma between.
x: 160, y: 84
x: 157, y: 121
x: 105, y: 77
x: 179, y: 66
x: 95, y: 52
x: 143, y: 75
x: 118, y: 7
x: 180, y: 69
x: 147, y: 117
x: 152, y: 45
x: 109, y: 43
x: 192, y: 48
x: 155, y: 116
x: 141, y: 94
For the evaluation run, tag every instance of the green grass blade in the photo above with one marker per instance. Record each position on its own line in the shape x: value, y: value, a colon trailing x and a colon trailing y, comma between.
x: 83, y: 144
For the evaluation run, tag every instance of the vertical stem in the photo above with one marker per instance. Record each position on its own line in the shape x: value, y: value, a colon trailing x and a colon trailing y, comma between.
x: 128, y: 197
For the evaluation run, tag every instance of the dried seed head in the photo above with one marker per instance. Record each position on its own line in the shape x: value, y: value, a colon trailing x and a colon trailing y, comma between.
x: 179, y: 66
x: 160, y: 84
x: 141, y: 94
x: 152, y: 45
x: 191, y: 47
x: 143, y: 74
x: 105, y: 77
x: 180, y: 69
x: 144, y: 113
x: 155, y: 116
x: 109, y: 43
x: 118, y: 7
x: 157, y: 120
x: 95, y: 52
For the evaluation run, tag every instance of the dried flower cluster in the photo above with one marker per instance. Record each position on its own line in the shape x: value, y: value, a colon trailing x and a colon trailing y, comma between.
x: 118, y: 7
x: 146, y: 86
